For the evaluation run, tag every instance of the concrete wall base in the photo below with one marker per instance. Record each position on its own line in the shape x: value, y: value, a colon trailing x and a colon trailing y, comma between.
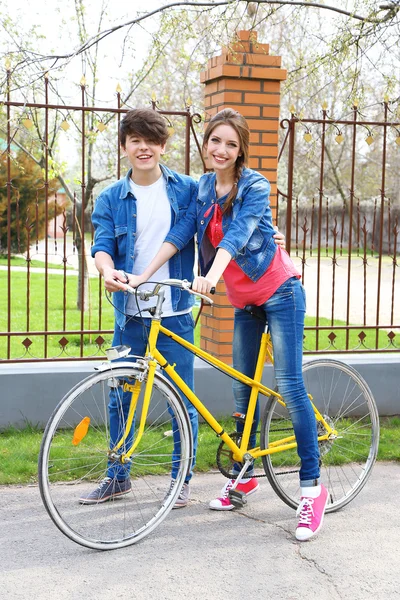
x: 30, y: 392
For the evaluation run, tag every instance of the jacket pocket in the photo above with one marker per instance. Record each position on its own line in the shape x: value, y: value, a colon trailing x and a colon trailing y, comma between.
x: 121, y: 234
x: 255, y: 241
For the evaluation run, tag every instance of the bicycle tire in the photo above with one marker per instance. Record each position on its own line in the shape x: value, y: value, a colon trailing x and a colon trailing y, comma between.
x: 344, y: 398
x: 66, y: 471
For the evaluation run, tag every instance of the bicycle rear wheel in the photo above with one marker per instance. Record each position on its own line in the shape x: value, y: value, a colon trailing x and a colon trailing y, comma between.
x: 345, y: 401
x: 74, y: 458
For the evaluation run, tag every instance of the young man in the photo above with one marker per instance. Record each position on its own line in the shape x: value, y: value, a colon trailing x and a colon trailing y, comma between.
x: 131, y: 219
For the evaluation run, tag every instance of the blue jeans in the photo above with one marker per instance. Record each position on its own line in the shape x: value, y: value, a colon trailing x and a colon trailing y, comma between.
x: 135, y: 336
x: 285, y: 312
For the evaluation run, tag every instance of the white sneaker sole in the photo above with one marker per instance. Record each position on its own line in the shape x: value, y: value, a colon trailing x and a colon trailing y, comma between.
x: 101, y: 500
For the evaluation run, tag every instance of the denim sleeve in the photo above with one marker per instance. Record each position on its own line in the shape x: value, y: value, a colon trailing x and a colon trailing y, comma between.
x: 184, y: 231
x: 255, y: 205
x: 104, y: 230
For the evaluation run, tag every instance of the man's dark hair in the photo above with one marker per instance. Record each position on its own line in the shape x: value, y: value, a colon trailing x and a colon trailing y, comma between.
x: 145, y: 123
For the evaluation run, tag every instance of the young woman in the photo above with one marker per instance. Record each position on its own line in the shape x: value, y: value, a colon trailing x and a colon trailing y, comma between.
x: 233, y: 222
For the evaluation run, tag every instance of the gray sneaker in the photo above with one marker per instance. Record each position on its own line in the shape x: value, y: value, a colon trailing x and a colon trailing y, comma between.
x: 107, y: 489
x: 183, y: 497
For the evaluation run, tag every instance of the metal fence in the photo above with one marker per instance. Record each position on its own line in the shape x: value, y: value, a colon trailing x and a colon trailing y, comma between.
x: 341, y: 212
x: 52, y: 302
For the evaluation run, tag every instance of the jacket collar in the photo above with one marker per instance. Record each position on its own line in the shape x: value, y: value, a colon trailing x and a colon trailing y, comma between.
x: 125, y: 187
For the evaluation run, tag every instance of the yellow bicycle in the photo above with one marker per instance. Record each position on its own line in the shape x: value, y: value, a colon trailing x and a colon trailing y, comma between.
x: 76, y: 447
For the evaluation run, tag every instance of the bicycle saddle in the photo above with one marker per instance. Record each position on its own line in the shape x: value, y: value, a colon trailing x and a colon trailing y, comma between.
x: 256, y: 311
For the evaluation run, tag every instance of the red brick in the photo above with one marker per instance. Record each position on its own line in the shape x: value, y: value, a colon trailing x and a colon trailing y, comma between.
x: 219, y: 348
x: 271, y: 99
x: 261, y: 98
x: 269, y: 163
x: 239, y: 84
x: 217, y: 335
x: 250, y: 111
x: 263, y: 60
x: 259, y: 48
x: 270, y: 111
x: 271, y: 86
x: 263, y: 124
x: 270, y: 138
x: 254, y: 163
x: 246, y: 35
x: 255, y: 137
x: 264, y: 151
x: 238, y: 47
x: 211, y: 87
x: 269, y: 73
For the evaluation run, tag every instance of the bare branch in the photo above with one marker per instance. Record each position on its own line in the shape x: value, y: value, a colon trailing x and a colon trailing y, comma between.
x: 392, y: 9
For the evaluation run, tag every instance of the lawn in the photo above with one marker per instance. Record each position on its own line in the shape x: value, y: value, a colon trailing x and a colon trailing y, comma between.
x: 19, y: 449
x: 62, y: 315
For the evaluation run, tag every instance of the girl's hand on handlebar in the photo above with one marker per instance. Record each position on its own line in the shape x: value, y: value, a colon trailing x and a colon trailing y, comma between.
x: 135, y: 280
x: 203, y: 285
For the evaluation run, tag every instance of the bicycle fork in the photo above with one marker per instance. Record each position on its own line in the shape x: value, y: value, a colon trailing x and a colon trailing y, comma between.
x: 135, y: 390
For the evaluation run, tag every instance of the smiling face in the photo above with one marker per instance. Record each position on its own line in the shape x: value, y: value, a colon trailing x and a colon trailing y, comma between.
x: 223, y: 148
x: 144, y: 156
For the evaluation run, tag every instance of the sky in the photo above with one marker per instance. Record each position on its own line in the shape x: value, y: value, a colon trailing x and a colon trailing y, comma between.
x: 55, y: 21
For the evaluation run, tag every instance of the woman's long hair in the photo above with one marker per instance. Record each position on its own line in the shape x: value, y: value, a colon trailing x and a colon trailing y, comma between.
x: 231, y: 117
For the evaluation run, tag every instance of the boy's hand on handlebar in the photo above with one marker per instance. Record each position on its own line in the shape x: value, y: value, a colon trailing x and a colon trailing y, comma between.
x: 114, y: 280
x: 203, y: 285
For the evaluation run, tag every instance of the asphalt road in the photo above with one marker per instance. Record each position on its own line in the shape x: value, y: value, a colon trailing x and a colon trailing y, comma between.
x: 201, y: 554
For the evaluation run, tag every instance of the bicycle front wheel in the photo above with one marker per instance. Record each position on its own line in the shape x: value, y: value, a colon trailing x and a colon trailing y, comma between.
x: 346, y: 403
x: 75, y: 457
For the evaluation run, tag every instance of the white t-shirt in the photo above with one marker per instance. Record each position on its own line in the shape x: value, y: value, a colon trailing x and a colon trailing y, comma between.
x: 153, y: 222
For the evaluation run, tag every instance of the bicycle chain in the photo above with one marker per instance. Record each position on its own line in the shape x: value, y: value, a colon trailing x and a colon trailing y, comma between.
x: 235, y: 436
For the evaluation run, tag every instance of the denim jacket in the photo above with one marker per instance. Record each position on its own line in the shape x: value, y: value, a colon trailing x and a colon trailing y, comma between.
x: 114, y: 221
x: 248, y: 230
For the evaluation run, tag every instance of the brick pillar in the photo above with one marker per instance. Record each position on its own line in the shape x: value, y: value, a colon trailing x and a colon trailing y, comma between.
x: 243, y: 77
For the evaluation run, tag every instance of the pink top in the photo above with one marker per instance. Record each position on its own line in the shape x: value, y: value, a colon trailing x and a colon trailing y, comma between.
x: 241, y: 290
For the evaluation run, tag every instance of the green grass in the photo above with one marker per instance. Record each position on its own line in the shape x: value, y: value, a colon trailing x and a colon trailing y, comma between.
x: 339, y: 343
x: 19, y: 449
x: 56, y: 308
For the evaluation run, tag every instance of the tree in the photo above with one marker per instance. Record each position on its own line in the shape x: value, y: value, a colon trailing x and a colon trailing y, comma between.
x: 356, y: 34
x: 28, y: 203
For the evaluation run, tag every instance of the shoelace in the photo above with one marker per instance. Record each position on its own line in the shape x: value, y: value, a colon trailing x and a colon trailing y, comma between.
x: 305, y: 511
x: 104, y: 482
x: 228, y: 486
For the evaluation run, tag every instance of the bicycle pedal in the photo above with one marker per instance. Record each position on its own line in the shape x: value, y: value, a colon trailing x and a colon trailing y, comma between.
x: 237, y: 498
x: 239, y: 417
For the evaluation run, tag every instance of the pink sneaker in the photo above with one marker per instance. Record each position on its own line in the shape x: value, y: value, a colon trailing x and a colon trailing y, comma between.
x: 311, y: 515
x: 223, y: 502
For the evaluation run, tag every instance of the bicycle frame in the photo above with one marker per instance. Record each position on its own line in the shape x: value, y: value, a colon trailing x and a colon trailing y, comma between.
x: 154, y: 358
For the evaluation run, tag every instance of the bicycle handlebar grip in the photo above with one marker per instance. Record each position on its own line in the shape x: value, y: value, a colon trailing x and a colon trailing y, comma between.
x: 212, y: 291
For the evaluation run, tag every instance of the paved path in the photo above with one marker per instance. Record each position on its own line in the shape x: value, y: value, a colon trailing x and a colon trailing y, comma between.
x: 355, y: 557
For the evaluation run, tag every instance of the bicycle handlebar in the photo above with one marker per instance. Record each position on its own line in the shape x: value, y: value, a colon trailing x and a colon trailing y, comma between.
x: 183, y: 284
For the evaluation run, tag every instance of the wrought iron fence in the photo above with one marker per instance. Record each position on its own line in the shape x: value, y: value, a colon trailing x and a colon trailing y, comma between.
x: 341, y: 212
x: 52, y: 303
